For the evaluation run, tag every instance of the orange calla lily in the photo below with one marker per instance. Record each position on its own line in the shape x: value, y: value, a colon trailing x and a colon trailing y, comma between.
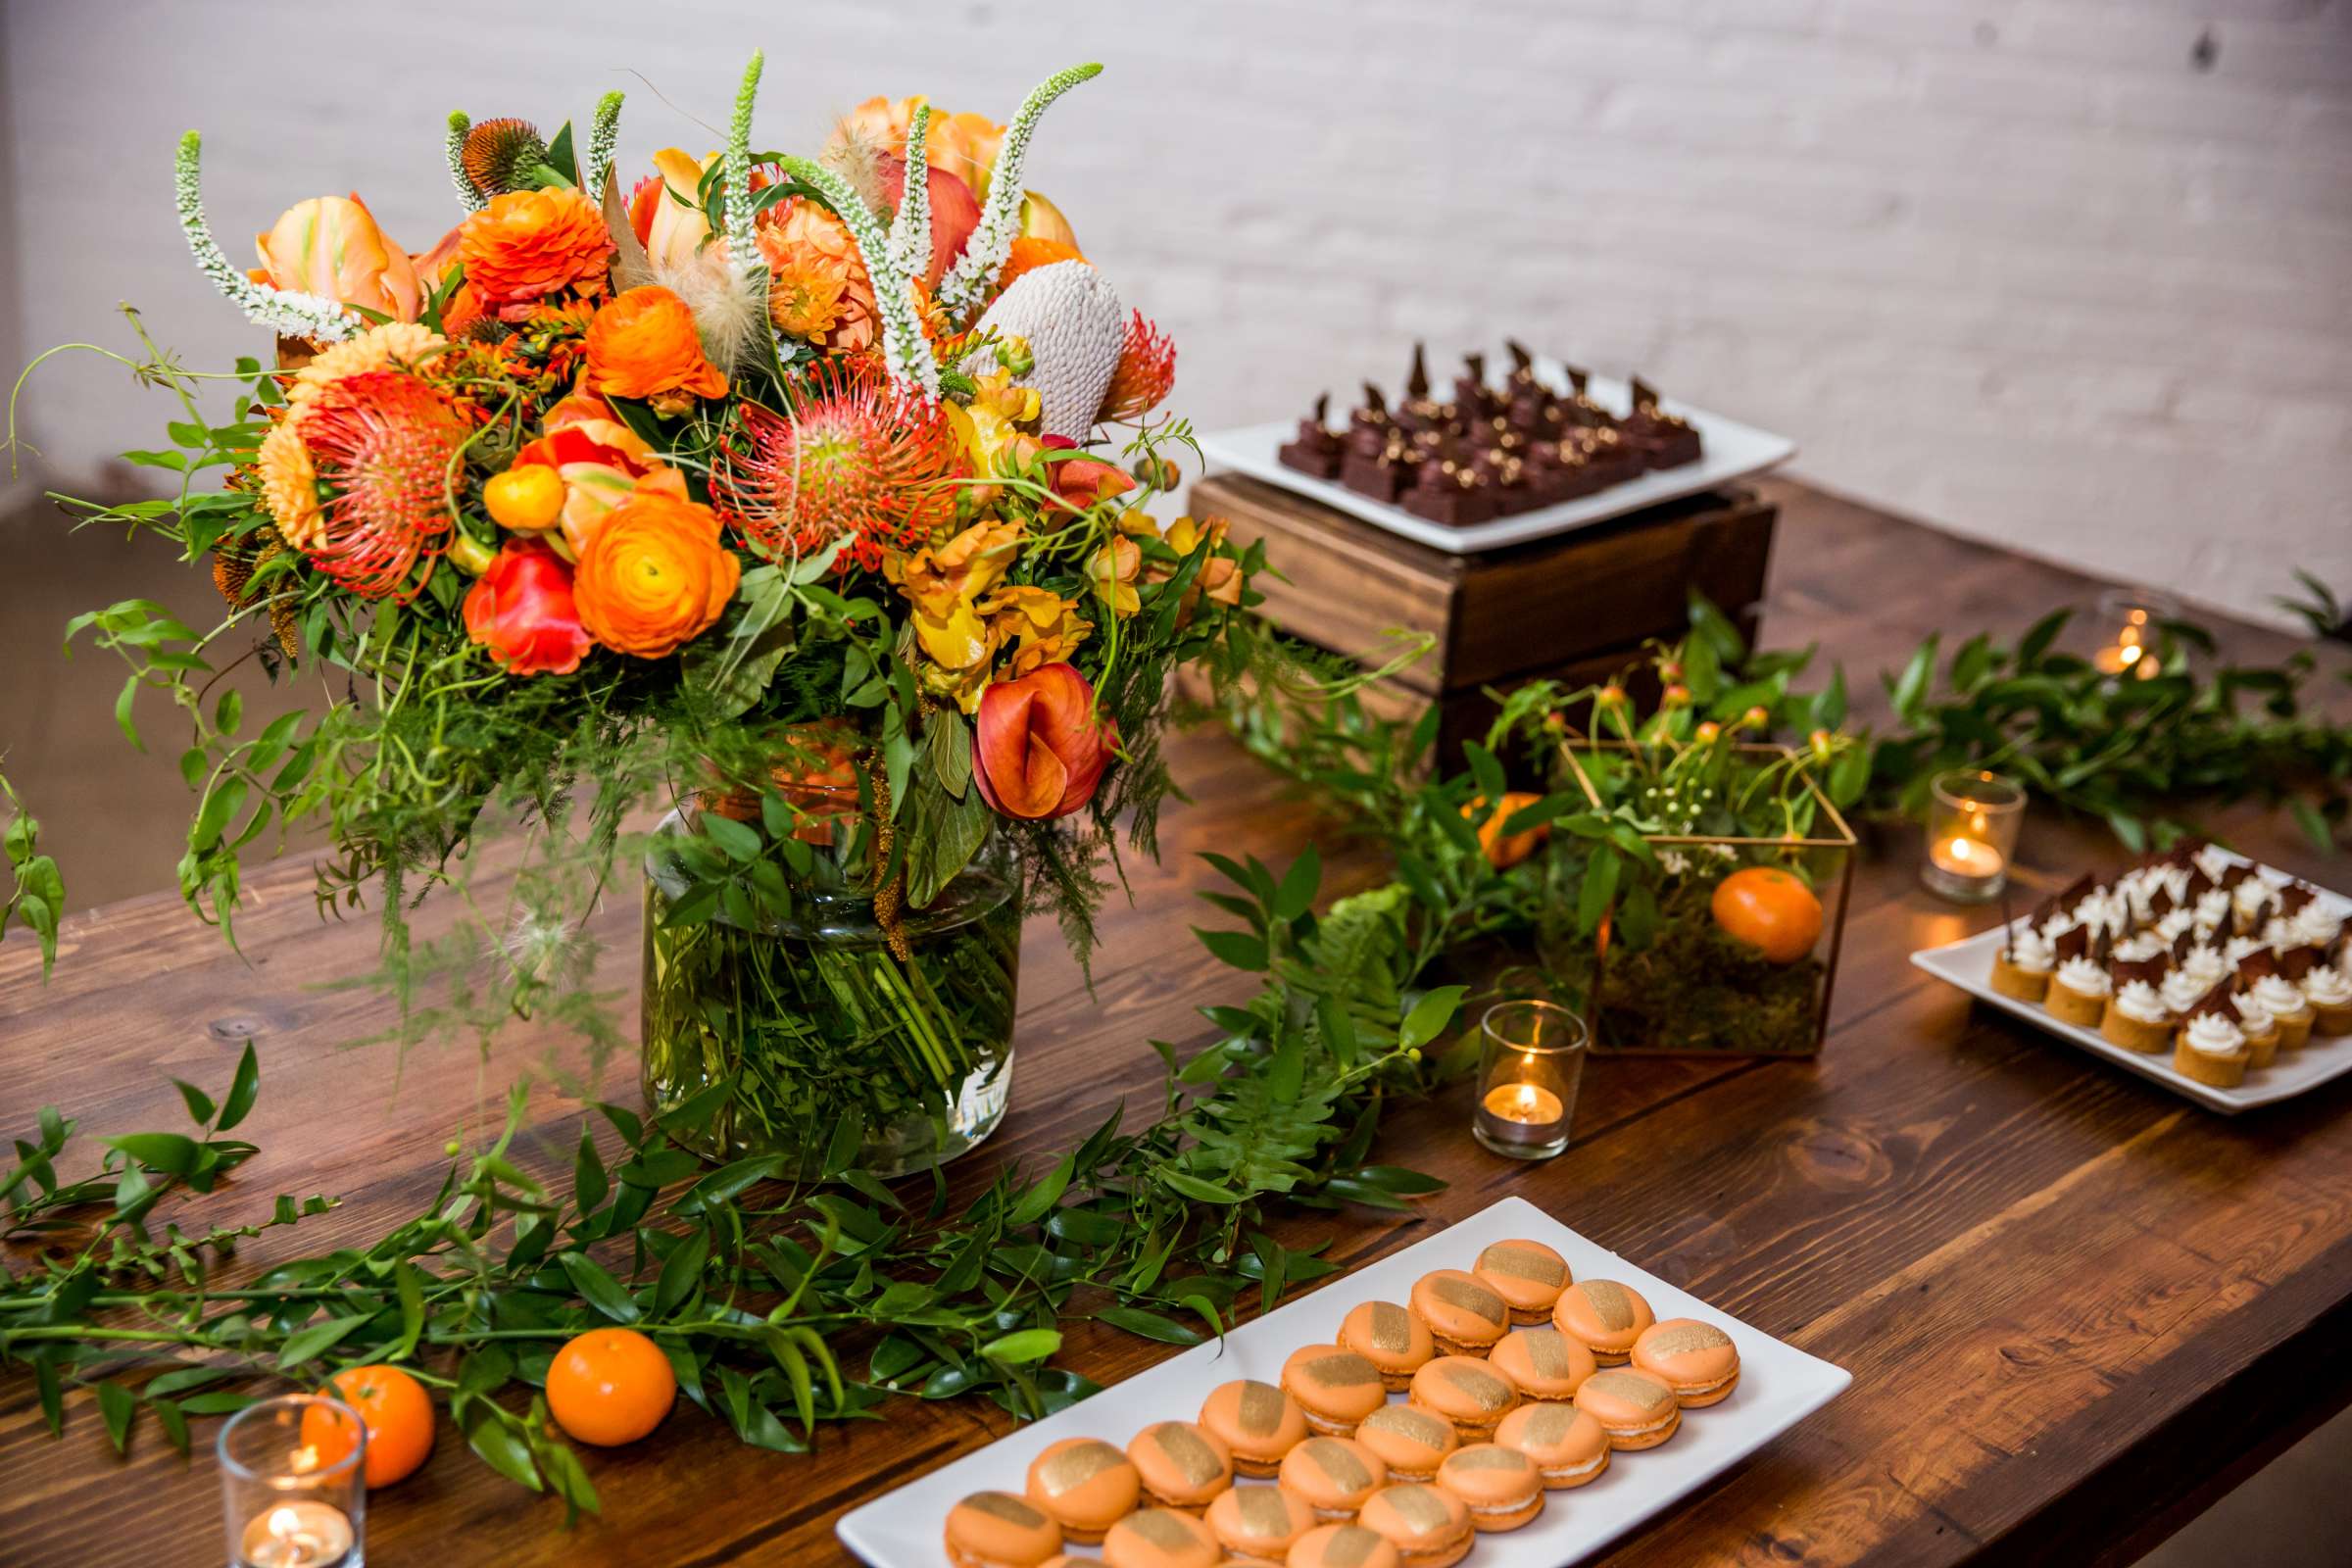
x: 1038, y: 752
x: 331, y: 246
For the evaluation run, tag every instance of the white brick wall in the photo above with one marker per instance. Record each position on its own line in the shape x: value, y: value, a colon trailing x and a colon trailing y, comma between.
x: 2016, y: 267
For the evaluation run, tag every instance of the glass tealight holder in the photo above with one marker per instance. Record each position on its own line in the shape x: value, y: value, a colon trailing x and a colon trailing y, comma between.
x: 1531, y: 1057
x: 293, y: 1483
x: 2129, y: 619
x: 1973, y: 821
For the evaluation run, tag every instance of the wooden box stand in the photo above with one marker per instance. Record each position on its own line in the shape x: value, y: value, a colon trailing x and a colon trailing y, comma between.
x: 1575, y: 607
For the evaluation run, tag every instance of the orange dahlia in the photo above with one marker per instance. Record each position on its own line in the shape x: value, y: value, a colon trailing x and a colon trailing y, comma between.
x: 642, y: 344
x: 855, y: 458
x: 386, y: 444
x: 528, y: 244
x: 1146, y: 372
x: 653, y: 576
x: 811, y: 251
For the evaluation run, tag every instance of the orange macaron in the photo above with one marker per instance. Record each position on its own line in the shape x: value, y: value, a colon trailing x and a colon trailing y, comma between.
x: 1332, y: 1476
x: 1543, y: 1363
x: 1411, y: 1441
x: 1160, y: 1537
x: 1342, y: 1546
x: 1500, y: 1486
x: 1181, y: 1465
x: 1256, y: 1422
x: 1568, y: 1446
x: 1260, y: 1522
x: 1428, y: 1526
x: 1388, y: 1337
x: 997, y: 1529
x: 1604, y: 1316
x: 1334, y: 1389
x: 1463, y: 1315
x: 1697, y: 1360
x: 1528, y: 1275
x: 1636, y: 1409
x: 1465, y: 1391
x: 1084, y: 1485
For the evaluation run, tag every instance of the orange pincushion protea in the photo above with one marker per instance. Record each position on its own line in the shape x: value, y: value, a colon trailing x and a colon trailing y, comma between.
x: 642, y: 344
x: 386, y: 443
x: 528, y: 244
x: 1146, y: 373
x: 856, y: 458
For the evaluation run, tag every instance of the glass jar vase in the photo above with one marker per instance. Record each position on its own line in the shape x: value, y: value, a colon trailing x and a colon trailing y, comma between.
x: 811, y: 1022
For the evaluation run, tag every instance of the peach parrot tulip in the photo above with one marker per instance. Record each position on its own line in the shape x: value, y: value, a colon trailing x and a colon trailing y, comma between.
x: 331, y: 246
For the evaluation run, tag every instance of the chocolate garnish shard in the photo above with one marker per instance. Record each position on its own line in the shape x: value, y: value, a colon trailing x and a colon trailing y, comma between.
x: 2215, y: 1001
x: 2102, y: 944
x: 1373, y: 401
x: 2199, y: 884
x: 1416, y: 383
x: 2182, y: 945
x: 1323, y: 408
x: 2235, y: 874
x: 2073, y: 943
x: 1521, y: 359
x: 2008, y: 921
x: 2045, y: 912
x: 2296, y: 962
x: 2160, y: 902
x: 2076, y: 891
x: 1578, y: 378
x: 2293, y: 897
x: 1478, y: 367
x: 2254, y: 965
x: 1645, y: 396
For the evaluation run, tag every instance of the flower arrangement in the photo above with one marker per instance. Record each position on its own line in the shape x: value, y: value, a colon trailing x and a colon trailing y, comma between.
x: 776, y: 491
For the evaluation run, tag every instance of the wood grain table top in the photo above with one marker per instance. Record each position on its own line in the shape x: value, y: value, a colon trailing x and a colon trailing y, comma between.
x: 2076, y: 1306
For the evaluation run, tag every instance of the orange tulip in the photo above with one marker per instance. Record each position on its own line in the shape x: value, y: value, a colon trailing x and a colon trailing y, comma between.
x: 965, y: 145
x: 1039, y: 753
x: 653, y: 576
x: 677, y: 234
x: 1042, y: 220
x: 331, y: 246
x: 642, y: 344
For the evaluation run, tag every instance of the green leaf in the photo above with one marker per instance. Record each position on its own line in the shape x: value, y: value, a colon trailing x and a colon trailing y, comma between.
x: 1911, y: 686
x: 174, y: 1153
x: 736, y: 841
x: 408, y: 1291
x: 1151, y: 1325
x: 117, y: 1405
x: 681, y: 1273
x: 1022, y: 1346
x: 1427, y: 1017
x: 2315, y: 826
x: 308, y: 1344
x: 1192, y: 1186
x: 589, y: 1182
x: 199, y: 1104
x: 1397, y: 1178
x: 498, y: 1444
x: 1297, y: 893
x: 1236, y: 949
x: 241, y: 1090
x: 230, y: 712
x: 598, y: 1288
x: 1600, y: 887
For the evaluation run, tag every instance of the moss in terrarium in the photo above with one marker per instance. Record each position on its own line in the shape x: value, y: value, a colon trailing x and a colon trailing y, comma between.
x: 1693, y: 989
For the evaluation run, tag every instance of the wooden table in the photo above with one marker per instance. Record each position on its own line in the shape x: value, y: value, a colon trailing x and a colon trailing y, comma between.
x: 2076, y: 1307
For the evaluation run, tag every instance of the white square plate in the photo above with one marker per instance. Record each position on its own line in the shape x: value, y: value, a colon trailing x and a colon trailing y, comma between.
x: 1778, y: 1386
x: 1727, y: 450
x: 1968, y: 964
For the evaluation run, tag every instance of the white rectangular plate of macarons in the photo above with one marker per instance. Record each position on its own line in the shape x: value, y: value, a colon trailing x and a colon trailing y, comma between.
x: 1968, y: 964
x: 1778, y: 1386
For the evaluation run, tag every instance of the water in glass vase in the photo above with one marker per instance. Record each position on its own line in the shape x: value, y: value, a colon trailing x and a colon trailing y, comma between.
x: 810, y: 1021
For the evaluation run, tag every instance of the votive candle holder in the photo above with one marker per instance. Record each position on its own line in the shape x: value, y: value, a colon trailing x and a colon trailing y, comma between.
x: 293, y: 1483
x: 1531, y: 1060
x: 1973, y: 823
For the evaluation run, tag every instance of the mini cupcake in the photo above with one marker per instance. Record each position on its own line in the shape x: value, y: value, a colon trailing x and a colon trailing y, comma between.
x: 2283, y: 1001
x: 997, y: 1529
x: 1181, y: 1465
x: 2022, y: 966
x: 1568, y: 1446
x: 1160, y: 1537
x: 1390, y: 1338
x: 1427, y: 1524
x: 2211, y: 1049
x: 1636, y: 1409
x: 1697, y: 1360
x: 2136, y: 1017
x: 2260, y: 1028
x: 2181, y: 992
x: 2329, y: 994
x: 1334, y: 1389
x: 1500, y: 1486
x: 1344, y: 1547
x: 2318, y: 924
x: 1528, y: 1275
x: 1411, y: 1441
x: 1466, y: 1392
x: 1463, y: 1315
x: 1084, y: 1484
x: 2206, y: 966
x: 2079, y: 993
x: 1256, y: 1422
x: 1606, y: 1317
x: 1258, y: 1523
x: 1543, y: 1363
x: 1332, y: 1476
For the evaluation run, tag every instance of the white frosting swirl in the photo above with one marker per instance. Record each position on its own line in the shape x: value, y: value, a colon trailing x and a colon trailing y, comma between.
x: 2206, y: 966
x: 2084, y: 978
x: 2172, y: 924
x: 2251, y: 895
x: 2240, y: 947
x: 2252, y: 1015
x: 2032, y: 952
x: 2215, y: 861
x: 2318, y: 924
x: 2134, y: 949
x: 2325, y: 987
x: 2279, y: 996
x: 2182, y: 989
x: 2142, y: 1001
x: 2213, y: 908
x: 2212, y: 1035
x: 2279, y: 933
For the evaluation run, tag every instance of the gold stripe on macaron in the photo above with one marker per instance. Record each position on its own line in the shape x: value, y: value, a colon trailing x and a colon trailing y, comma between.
x: 1261, y: 1412
x: 1637, y: 1387
x: 1490, y: 1457
x: 1347, y: 1369
x: 1351, y: 1547
x: 1193, y: 1459
x: 1419, y: 1425
x: 1339, y: 1464
x: 1002, y: 1506
x: 1490, y: 1392
x: 1679, y: 1338
x: 1522, y: 1264
x: 1420, y: 1508
x: 1472, y: 1297
x: 1392, y: 1327
x: 1162, y: 1528
x: 1549, y: 1423
x: 1611, y: 1304
x: 1263, y: 1512
x: 1076, y: 1465
x: 1547, y: 1351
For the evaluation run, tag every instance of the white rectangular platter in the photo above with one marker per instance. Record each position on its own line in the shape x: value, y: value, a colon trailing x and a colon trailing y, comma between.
x: 1968, y: 964
x: 1778, y: 1386
x: 1727, y: 450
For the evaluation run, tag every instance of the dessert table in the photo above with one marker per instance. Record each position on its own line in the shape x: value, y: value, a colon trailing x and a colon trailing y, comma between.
x: 2076, y: 1307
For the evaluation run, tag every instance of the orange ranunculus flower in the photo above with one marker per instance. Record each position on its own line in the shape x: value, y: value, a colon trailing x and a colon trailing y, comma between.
x: 965, y: 145
x: 528, y: 244
x: 642, y: 344
x: 1038, y: 752
x: 817, y: 283
x: 522, y: 610
x: 331, y: 246
x: 654, y: 575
